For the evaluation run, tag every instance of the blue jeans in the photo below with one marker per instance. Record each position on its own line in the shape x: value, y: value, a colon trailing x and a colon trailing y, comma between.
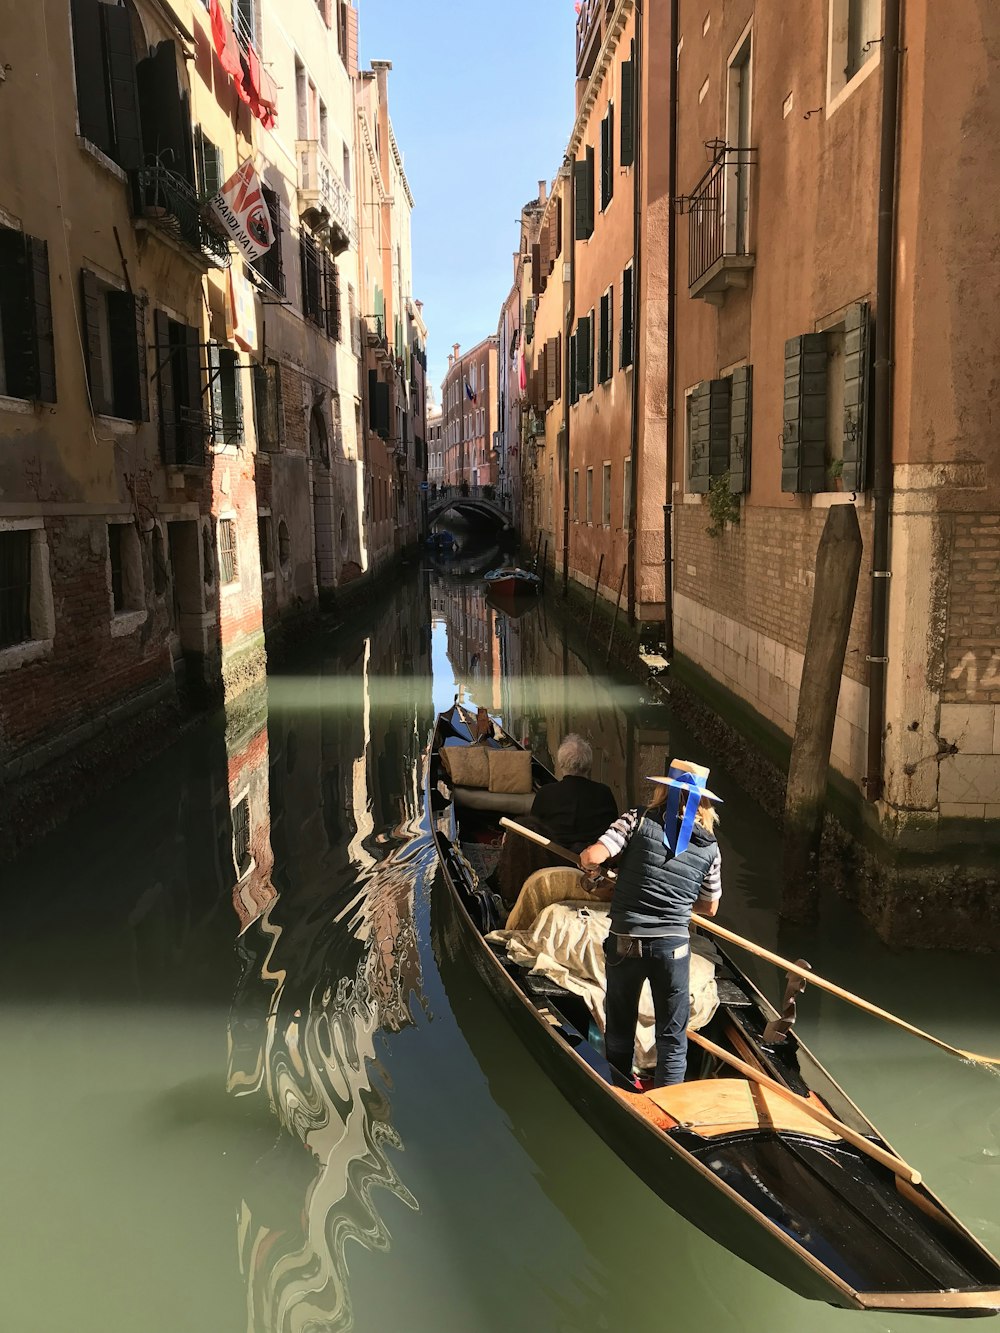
x: 666, y: 964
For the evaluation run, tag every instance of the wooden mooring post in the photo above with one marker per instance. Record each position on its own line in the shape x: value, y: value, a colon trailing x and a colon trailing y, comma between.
x: 838, y: 562
x: 614, y: 623
x: 593, y: 604
x: 538, y: 546
x: 545, y: 562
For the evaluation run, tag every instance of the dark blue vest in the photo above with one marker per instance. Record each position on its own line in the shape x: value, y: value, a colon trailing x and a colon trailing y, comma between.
x: 656, y: 890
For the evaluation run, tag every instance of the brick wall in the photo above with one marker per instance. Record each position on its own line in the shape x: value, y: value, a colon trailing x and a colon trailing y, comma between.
x: 972, y: 667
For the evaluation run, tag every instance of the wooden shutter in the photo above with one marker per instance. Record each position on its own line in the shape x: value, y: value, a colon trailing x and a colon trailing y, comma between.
x: 584, y: 191
x: 382, y: 410
x: 215, y: 395
x: 856, y: 389
x: 557, y: 236
x: 628, y: 323
x: 15, y: 313
x: 266, y: 398
x: 88, y: 59
x: 352, y: 41
x: 192, y: 436
x: 803, y: 449
x: 698, y: 419
x: 584, y: 355
x: 127, y: 334
x: 372, y: 385
x: 574, y: 390
x: 740, y: 423
x: 552, y: 350
x: 208, y: 166
x: 627, y: 131
x: 719, y: 400
x: 536, y: 269
x: 331, y: 298
x: 123, y: 94
x: 165, y: 387
x: 42, y: 334
x: 93, y: 351
x: 608, y: 157
x: 164, y: 114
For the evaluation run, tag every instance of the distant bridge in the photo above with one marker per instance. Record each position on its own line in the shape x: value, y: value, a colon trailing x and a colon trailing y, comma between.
x: 473, y: 502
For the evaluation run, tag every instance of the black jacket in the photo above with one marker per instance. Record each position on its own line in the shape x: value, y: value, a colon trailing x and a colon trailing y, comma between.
x: 575, y: 811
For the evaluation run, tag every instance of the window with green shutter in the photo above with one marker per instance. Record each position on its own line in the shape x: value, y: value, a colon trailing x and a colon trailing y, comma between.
x: 27, y: 343
x: 857, y: 382
x: 708, y: 433
x: 740, y: 422
x: 827, y: 389
x: 584, y: 195
x: 627, y: 156
x: 803, y: 444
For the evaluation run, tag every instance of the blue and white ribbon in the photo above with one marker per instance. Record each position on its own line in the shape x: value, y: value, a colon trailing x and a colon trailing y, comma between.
x: 691, y: 785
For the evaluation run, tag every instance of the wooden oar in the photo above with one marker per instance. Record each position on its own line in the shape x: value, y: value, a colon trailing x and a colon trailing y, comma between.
x: 895, y: 1164
x: 786, y: 964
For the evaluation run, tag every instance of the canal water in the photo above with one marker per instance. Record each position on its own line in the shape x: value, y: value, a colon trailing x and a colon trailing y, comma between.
x: 243, y: 1090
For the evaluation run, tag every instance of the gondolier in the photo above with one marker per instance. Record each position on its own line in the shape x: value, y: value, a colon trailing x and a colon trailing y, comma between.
x: 670, y: 866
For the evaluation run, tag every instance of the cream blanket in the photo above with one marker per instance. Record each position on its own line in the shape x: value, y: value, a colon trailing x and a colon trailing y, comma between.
x: 566, y: 944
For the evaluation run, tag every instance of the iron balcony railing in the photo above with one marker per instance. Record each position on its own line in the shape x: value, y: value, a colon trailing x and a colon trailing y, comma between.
x: 717, y: 211
x: 589, y: 32
x: 171, y: 204
x: 321, y: 188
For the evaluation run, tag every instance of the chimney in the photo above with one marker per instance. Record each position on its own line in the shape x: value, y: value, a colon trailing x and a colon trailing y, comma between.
x: 455, y: 347
x: 542, y: 191
x: 451, y: 360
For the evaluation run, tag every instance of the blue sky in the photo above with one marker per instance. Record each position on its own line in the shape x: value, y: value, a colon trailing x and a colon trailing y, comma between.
x: 481, y: 97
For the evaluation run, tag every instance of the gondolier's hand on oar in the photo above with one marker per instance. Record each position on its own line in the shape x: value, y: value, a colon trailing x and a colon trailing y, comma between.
x: 592, y: 863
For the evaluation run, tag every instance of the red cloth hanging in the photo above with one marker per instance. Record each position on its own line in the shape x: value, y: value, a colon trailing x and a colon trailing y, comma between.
x: 268, y: 101
x: 224, y: 40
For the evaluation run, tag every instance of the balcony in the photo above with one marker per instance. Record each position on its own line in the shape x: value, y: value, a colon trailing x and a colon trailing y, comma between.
x: 718, y: 225
x: 591, y: 24
x: 168, y: 204
x: 324, y: 200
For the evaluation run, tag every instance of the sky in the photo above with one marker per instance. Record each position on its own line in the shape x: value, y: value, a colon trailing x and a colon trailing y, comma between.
x: 481, y: 97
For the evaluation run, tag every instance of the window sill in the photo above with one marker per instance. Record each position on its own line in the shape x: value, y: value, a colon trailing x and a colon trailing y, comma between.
x: 25, y: 406
x: 117, y: 425
x: 828, y: 499
x: 227, y: 589
x: 127, y: 622
x: 835, y: 100
x: 21, y: 654
x: 690, y: 498
x: 195, y: 258
x: 101, y: 158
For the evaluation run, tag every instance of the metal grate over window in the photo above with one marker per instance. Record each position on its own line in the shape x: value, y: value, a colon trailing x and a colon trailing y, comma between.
x: 15, y: 587
x: 241, y: 835
x: 228, y: 563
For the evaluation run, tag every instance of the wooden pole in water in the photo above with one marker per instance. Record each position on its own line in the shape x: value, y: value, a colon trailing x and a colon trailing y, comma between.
x: 545, y: 560
x: 838, y: 562
x: 538, y: 546
x: 614, y: 623
x: 593, y: 604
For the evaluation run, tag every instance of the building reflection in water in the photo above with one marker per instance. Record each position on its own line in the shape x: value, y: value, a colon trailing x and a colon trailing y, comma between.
x: 329, y: 957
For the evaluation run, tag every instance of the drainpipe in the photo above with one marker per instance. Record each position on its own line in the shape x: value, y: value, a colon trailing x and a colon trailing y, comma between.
x: 668, y: 499
x: 567, y: 393
x: 638, y: 122
x: 885, y: 293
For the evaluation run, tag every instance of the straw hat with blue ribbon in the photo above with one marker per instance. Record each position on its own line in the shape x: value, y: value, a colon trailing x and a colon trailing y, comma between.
x: 686, y: 782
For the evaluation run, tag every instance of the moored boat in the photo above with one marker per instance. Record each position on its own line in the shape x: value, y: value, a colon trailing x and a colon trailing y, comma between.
x: 512, y: 581
x: 759, y: 1174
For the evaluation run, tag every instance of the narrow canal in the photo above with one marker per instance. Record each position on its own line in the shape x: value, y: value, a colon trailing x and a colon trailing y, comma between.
x: 243, y: 1091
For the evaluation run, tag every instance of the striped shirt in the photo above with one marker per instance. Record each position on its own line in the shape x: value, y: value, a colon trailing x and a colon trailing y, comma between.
x: 617, y: 837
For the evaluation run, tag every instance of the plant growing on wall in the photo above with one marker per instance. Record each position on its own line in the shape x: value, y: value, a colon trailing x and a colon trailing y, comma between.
x: 723, y: 505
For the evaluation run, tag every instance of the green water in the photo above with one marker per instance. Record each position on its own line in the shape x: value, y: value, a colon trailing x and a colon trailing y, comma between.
x: 243, y: 1092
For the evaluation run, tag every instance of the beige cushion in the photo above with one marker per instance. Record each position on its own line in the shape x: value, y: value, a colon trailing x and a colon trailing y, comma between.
x: 468, y: 765
x: 510, y: 770
x: 496, y: 802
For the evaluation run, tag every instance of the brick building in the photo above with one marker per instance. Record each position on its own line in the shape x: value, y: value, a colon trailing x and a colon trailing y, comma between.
x: 468, y: 395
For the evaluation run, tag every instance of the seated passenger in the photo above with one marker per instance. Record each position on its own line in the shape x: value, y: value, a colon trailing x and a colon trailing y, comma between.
x: 576, y: 810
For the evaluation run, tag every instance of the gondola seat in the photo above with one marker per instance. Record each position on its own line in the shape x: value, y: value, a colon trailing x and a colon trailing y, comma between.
x: 494, y: 802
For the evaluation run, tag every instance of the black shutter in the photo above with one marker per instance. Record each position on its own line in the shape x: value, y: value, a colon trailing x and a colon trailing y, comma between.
x: 574, y: 390
x: 165, y: 387
x: 267, y: 406
x: 584, y: 195
x: 627, y: 316
x: 584, y: 355
x: 166, y: 122
x: 331, y: 301
x: 194, y: 428
x: 382, y: 409
x: 88, y: 60
x: 127, y: 329
x: 627, y: 156
x: 607, y: 157
x: 123, y: 93
x: 803, y: 448
x: 43, y: 337
x: 698, y: 423
x: 92, y: 295
x: 372, y: 386
x: 15, y: 314
x: 856, y: 389
x: 740, y: 427
x: 719, y: 401
x: 215, y: 395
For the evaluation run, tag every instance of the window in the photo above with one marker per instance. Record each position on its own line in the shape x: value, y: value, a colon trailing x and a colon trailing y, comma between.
x: 241, y: 837
x: 576, y: 495
x: 312, y: 279
x: 606, y: 360
x: 347, y: 166
x: 27, y: 345
x: 225, y: 395
x: 178, y: 361
x: 590, y: 495
x: 324, y: 128
x: 266, y: 544
x: 628, y: 316
x: 626, y: 493
x: 853, y: 42
x: 229, y: 568
x: 114, y: 348
x: 27, y: 619
x: 208, y: 164
x: 608, y: 157
x: 738, y: 137
x: 301, y: 101
x: 827, y: 387
x: 585, y: 354
x: 269, y: 265
x: 107, y: 95
x: 606, y: 496
x: 267, y: 406
x: 245, y: 22
x: 627, y: 156
x: 719, y: 416
x: 584, y: 191
x: 125, y: 567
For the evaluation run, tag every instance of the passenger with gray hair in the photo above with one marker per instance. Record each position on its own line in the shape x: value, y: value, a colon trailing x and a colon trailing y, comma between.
x: 570, y: 810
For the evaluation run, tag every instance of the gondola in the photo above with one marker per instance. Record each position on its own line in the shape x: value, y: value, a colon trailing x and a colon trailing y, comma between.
x: 804, y: 1206
x: 509, y: 582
